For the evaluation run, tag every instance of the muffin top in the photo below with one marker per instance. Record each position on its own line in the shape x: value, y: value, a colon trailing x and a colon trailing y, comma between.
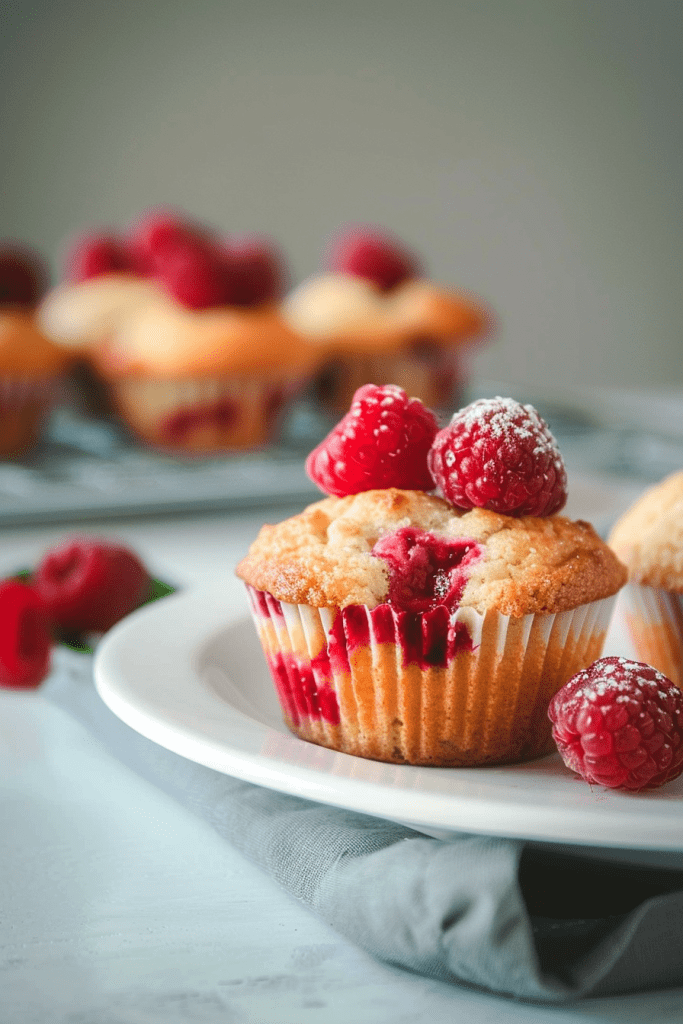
x: 349, y: 314
x: 649, y: 536
x: 24, y: 349
x: 414, y: 549
x: 79, y: 315
x: 166, y: 339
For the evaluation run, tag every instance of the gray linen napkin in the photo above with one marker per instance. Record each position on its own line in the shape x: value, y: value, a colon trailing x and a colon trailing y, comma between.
x: 497, y: 914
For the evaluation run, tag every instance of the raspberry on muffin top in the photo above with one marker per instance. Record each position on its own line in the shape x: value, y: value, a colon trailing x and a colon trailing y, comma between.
x: 375, y: 299
x: 384, y: 539
x: 24, y: 348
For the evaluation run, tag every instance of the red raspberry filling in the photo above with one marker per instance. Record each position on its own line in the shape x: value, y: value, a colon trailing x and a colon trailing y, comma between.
x: 619, y: 723
x: 304, y: 689
x: 221, y: 414
x: 499, y: 455
x: 425, y: 570
x: 383, y: 441
x: 25, y: 639
x: 427, y: 639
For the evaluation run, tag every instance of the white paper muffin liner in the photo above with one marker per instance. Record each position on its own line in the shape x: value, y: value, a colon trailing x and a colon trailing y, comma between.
x: 435, y: 376
x: 205, y: 414
x: 17, y: 393
x: 654, y: 618
x: 484, y: 703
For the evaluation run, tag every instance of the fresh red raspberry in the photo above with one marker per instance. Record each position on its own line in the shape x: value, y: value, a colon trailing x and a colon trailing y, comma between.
x: 185, y: 257
x: 23, y: 276
x: 197, y: 276
x: 368, y: 253
x: 499, y: 455
x: 88, y: 585
x: 382, y: 441
x: 619, y: 723
x: 159, y: 234
x: 93, y: 255
x: 25, y: 639
x: 258, y: 272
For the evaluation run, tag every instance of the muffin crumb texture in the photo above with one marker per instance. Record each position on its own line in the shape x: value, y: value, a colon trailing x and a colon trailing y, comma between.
x: 649, y: 536
x: 324, y: 557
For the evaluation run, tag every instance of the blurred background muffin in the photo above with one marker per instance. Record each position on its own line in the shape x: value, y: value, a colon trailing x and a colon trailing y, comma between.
x: 182, y: 330
x: 530, y: 150
x: 378, y: 320
x: 648, y: 538
x: 31, y: 366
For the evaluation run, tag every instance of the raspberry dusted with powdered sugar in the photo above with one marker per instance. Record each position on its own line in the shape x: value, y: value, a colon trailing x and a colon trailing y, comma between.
x: 383, y: 441
x: 619, y: 723
x: 499, y: 455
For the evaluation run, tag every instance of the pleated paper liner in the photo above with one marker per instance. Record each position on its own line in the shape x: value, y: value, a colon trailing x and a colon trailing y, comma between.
x: 432, y: 373
x: 205, y: 416
x: 424, y: 689
x: 654, y: 618
x: 24, y: 405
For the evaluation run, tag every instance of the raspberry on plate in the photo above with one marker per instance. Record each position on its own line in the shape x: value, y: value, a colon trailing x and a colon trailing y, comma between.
x: 88, y: 585
x: 383, y: 441
x: 619, y: 723
x: 25, y: 638
x: 499, y: 455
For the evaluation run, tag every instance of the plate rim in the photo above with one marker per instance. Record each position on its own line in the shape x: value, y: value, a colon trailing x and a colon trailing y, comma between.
x: 599, y: 820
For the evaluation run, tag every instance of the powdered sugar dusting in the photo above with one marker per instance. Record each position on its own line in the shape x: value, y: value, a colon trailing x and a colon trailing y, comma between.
x: 505, y: 423
x: 619, y: 723
x: 499, y: 455
x: 618, y: 677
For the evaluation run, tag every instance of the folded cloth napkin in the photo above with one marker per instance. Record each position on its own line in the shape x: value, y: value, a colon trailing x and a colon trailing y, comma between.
x: 499, y: 914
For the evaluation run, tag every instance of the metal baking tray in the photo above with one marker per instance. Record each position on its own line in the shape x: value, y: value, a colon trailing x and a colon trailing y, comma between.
x: 91, y: 469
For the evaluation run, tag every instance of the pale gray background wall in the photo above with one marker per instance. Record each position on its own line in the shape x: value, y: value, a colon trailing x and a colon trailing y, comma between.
x: 530, y: 149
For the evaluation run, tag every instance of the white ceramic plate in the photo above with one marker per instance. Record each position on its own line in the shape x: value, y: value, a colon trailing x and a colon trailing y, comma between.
x: 182, y: 674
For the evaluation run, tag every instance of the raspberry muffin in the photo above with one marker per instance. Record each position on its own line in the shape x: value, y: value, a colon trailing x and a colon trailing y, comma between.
x: 31, y: 366
x: 400, y: 627
x: 184, y: 332
x: 649, y: 539
x: 378, y: 319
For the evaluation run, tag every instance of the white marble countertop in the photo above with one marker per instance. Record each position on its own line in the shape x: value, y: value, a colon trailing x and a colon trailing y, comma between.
x: 119, y: 907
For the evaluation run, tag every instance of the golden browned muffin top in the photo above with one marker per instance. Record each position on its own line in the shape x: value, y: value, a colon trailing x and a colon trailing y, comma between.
x: 164, y: 339
x: 323, y: 556
x: 24, y: 349
x: 80, y: 315
x: 649, y: 536
x: 130, y: 327
x: 348, y: 314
